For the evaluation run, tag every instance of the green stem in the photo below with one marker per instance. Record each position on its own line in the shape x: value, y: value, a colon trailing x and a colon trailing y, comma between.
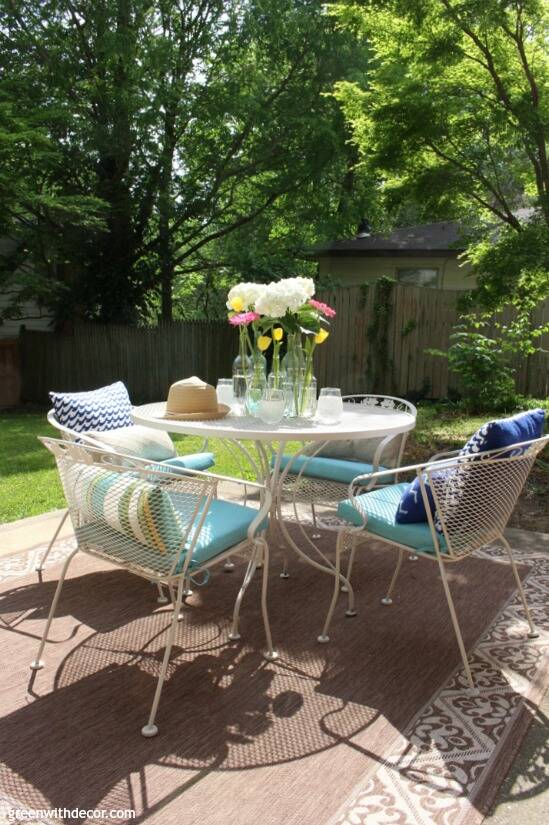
x: 276, y: 364
x: 308, y: 373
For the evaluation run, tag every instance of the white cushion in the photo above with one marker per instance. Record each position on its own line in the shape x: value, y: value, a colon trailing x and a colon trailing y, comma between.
x: 363, y: 450
x: 142, y: 442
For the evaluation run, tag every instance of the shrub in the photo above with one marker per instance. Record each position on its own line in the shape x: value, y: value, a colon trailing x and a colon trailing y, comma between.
x: 485, y: 376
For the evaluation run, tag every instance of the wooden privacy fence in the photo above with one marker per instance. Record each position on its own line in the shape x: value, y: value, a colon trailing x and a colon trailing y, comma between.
x: 393, y: 360
x: 10, y: 377
x: 147, y: 360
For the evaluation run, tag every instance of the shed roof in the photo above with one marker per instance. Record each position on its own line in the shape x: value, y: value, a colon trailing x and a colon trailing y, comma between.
x: 442, y: 237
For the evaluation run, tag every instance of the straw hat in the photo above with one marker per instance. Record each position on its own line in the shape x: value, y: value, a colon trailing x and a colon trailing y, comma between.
x: 191, y: 399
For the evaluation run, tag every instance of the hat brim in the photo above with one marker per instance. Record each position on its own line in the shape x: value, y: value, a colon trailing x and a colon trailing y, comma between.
x: 222, y: 411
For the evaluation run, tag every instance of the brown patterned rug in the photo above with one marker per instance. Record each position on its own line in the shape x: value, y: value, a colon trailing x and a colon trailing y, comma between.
x: 374, y: 727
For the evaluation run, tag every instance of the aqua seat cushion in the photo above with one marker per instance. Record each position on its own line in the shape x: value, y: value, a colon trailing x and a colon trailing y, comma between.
x: 193, y: 461
x: 380, y: 508
x: 332, y: 469
x: 225, y: 525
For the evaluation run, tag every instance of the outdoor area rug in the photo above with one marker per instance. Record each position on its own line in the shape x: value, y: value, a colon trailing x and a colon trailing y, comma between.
x: 375, y: 727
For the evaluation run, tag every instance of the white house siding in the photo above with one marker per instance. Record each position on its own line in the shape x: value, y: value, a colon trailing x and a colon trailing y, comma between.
x: 10, y: 329
x: 356, y: 269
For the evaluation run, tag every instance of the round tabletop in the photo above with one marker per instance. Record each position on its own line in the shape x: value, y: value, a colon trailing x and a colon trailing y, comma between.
x: 358, y: 421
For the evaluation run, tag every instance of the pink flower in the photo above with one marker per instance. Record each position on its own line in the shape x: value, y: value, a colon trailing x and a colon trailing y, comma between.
x: 242, y: 319
x: 324, y: 309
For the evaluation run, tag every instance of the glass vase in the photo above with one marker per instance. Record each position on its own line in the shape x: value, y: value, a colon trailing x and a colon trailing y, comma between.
x: 299, y: 382
x: 256, y: 383
x: 242, y: 369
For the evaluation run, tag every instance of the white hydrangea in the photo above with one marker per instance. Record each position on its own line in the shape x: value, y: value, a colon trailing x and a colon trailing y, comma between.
x: 284, y: 296
x: 248, y: 294
x: 307, y: 285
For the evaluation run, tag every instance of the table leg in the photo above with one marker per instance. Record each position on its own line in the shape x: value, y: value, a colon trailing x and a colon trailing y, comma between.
x: 277, y: 477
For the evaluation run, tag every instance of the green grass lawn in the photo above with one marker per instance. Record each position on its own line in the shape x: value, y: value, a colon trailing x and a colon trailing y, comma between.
x: 29, y: 484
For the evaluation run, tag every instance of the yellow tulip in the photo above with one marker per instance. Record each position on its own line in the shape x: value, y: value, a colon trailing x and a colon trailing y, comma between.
x: 263, y: 342
x: 237, y: 304
x: 321, y: 336
x: 278, y: 333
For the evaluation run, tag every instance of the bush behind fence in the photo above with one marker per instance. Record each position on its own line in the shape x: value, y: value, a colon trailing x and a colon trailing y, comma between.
x: 358, y: 356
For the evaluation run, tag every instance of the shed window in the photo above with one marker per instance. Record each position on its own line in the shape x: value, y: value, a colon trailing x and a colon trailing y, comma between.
x: 418, y: 276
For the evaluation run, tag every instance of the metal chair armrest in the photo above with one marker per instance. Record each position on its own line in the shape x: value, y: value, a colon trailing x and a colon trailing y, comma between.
x: 445, y: 454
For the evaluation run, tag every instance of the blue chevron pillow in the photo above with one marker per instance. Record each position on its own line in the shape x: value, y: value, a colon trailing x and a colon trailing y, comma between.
x: 107, y: 408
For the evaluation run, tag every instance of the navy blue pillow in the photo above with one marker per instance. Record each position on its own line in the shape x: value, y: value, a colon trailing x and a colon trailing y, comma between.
x: 411, y: 508
x: 107, y: 408
x: 503, y: 432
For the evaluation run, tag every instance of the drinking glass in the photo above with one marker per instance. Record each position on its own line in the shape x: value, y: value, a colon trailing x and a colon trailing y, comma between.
x: 225, y: 394
x: 271, y: 406
x: 329, y: 408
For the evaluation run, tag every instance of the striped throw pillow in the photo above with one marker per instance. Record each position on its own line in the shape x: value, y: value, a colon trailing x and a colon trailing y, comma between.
x: 132, y: 506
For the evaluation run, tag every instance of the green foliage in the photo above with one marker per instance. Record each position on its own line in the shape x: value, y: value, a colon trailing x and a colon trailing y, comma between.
x: 455, y: 121
x: 513, y: 268
x: 481, y: 365
x: 34, y: 215
x: 409, y: 327
x: 189, y: 123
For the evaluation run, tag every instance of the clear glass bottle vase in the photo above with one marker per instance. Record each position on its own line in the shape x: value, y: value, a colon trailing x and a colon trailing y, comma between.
x: 242, y: 369
x: 299, y: 382
x: 256, y: 383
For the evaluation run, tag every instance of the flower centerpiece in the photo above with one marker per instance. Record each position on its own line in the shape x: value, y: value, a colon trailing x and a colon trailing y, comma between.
x: 273, y: 314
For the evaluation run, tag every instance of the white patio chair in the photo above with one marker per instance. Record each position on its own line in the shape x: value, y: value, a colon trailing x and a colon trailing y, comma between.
x: 314, y: 481
x: 159, y: 525
x: 474, y: 496
x: 329, y: 467
x: 84, y: 438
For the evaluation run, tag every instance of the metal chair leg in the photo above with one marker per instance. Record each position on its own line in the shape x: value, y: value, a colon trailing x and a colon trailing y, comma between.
x: 387, y: 598
x: 162, y: 598
x: 150, y: 729
x: 324, y: 638
x: 38, y: 664
x: 234, y: 635
x: 455, y: 623
x: 270, y: 654
x: 40, y: 566
x: 533, y: 634
x: 344, y: 588
x: 315, y: 522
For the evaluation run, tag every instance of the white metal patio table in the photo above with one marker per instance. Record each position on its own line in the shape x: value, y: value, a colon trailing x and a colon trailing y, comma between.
x: 271, y: 443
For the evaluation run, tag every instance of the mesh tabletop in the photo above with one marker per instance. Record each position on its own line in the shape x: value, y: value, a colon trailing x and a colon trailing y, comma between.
x: 357, y: 422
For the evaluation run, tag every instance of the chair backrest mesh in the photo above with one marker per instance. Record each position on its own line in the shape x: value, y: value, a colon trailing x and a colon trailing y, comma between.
x: 139, y: 504
x: 475, y: 496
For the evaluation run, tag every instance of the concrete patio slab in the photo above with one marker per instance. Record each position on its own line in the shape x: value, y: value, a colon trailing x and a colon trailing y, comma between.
x: 16, y: 536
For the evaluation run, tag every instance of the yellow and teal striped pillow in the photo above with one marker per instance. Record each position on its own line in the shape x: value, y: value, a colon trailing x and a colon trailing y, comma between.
x: 130, y: 505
